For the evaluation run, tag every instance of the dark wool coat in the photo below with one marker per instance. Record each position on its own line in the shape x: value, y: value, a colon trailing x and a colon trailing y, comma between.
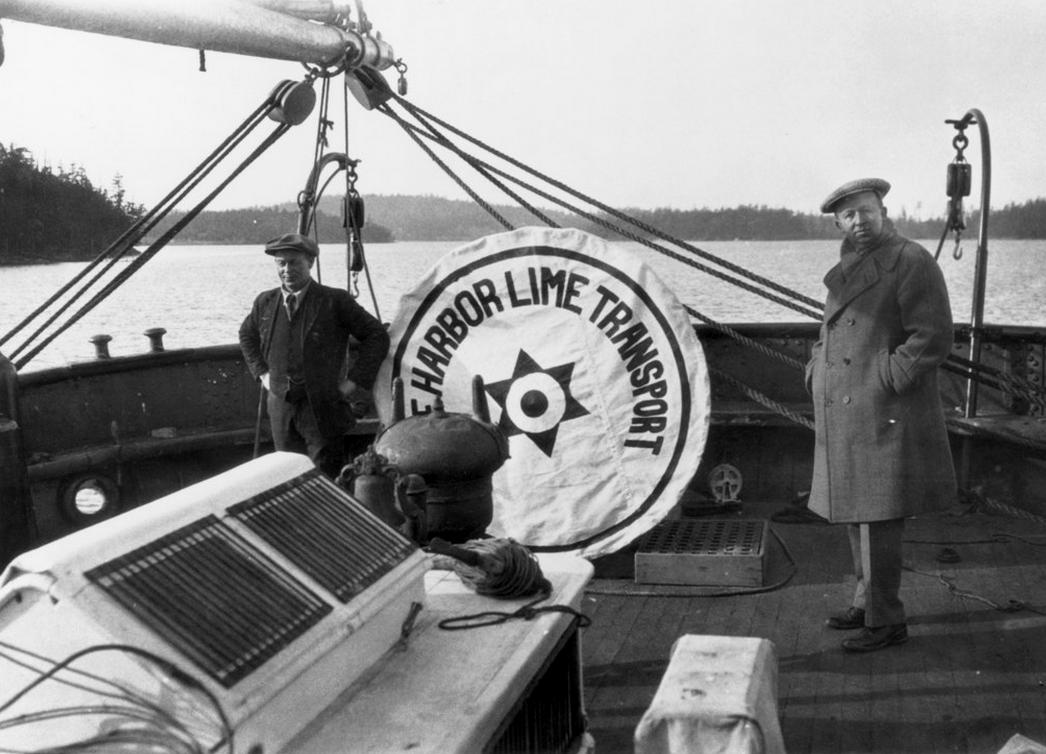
x: 881, y: 448
x: 330, y: 316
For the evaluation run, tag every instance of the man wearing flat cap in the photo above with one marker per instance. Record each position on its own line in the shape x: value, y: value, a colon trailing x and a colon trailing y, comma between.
x: 296, y: 341
x: 881, y: 451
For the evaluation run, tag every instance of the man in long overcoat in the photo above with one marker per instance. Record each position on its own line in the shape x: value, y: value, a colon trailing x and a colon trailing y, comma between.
x: 881, y: 449
x: 295, y: 341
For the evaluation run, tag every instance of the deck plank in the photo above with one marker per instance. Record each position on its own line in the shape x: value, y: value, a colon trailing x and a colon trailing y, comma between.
x: 1030, y: 626
x: 1028, y: 584
x: 607, y: 669
x: 967, y: 680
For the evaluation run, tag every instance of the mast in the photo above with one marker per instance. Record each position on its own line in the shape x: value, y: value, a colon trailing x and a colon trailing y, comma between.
x: 310, y: 31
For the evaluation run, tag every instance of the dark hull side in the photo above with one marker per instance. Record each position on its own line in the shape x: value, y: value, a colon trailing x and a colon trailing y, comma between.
x: 143, y: 426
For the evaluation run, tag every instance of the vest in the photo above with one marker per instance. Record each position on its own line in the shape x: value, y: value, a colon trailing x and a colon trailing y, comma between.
x: 287, y: 339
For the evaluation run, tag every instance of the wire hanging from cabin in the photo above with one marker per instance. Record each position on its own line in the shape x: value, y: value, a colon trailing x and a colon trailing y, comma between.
x: 137, y: 721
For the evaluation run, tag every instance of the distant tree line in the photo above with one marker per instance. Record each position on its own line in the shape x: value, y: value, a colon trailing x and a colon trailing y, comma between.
x: 52, y: 215
x: 431, y: 218
x: 57, y: 215
x: 256, y: 225
x: 1027, y: 220
x: 761, y: 223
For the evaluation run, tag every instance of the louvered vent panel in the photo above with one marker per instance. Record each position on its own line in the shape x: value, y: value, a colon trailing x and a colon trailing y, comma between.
x: 214, y: 596
x: 335, y: 540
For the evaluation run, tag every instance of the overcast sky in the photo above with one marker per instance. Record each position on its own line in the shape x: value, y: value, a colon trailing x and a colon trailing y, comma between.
x: 679, y: 103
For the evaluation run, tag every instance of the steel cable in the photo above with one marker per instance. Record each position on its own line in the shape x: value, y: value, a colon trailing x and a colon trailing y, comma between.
x: 153, y: 249
x: 1003, y: 381
x: 125, y: 242
x: 737, y: 269
x: 413, y: 130
x: 119, y: 248
x: 440, y: 138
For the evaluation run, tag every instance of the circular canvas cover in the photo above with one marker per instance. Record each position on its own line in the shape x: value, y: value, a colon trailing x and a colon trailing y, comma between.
x: 591, y: 368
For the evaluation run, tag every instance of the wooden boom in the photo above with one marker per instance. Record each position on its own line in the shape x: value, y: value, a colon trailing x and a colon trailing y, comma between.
x: 299, y: 30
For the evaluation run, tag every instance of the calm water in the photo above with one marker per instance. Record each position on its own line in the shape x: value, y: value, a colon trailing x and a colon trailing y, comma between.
x: 201, y: 293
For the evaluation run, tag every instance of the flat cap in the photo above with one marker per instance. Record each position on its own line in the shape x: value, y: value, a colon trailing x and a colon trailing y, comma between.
x: 292, y: 242
x: 878, y: 185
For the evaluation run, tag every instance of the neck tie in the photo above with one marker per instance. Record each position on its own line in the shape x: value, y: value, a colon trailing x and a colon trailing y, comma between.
x: 292, y: 306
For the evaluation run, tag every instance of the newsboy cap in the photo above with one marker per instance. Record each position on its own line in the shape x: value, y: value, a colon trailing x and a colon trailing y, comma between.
x: 878, y: 185
x: 292, y: 242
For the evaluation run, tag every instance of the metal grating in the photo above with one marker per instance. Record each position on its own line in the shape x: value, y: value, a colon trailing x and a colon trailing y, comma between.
x: 336, y: 541
x: 726, y: 537
x: 550, y: 717
x: 214, y: 596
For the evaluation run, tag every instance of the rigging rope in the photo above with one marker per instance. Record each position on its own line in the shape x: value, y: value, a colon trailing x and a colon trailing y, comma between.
x: 603, y: 222
x: 126, y: 242
x: 352, y: 203
x: 764, y: 399
x: 752, y: 343
x: 1008, y: 383
x: 1003, y: 381
x: 437, y: 136
x: 446, y: 168
x: 645, y: 227
x: 153, y: 249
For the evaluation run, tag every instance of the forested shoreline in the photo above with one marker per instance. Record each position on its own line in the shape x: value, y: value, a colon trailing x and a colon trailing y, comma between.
x: 56, y: 215
x: 49, y: 215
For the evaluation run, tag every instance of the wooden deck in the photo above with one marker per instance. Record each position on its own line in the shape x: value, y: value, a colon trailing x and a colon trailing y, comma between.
x: 969, y: 678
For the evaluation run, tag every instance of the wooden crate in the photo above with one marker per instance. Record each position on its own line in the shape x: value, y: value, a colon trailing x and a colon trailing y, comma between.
x: 703, y: 552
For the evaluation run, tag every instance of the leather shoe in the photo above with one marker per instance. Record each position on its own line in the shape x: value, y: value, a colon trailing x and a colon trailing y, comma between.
x: 871, y: 639
x: 852, y: 618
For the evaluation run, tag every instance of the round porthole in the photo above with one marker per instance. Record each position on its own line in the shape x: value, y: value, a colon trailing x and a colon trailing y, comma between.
x: 89, y: 498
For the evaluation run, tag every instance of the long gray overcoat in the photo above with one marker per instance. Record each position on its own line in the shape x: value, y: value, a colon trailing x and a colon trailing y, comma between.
x: 881, y: 448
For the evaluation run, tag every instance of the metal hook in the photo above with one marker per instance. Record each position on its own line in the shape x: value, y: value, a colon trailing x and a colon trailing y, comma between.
x: 350, y: 172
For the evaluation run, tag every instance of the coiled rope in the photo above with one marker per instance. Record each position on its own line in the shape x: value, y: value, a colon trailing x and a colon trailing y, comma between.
x: 501, y: 568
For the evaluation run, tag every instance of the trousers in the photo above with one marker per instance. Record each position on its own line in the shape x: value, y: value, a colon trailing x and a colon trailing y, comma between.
x: 295, y: 429
x: 876, y: 550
